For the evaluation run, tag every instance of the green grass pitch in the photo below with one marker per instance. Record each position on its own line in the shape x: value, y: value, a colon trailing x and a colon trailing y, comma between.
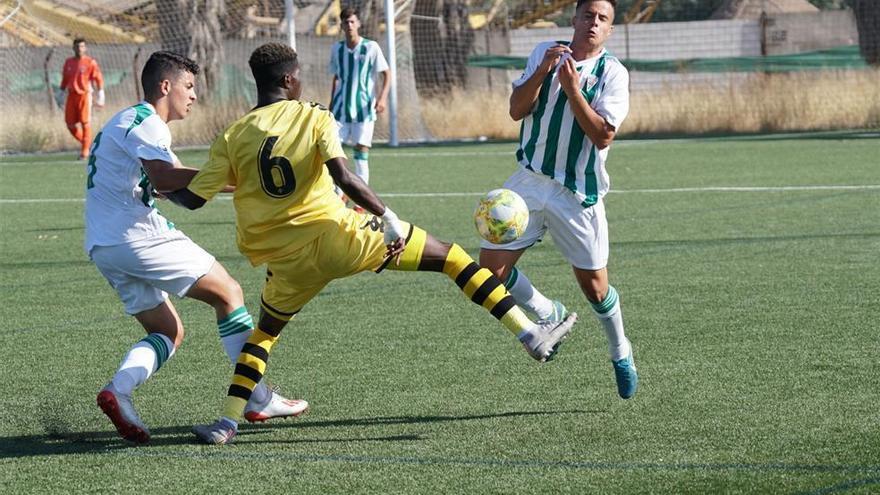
x: 749, y: 278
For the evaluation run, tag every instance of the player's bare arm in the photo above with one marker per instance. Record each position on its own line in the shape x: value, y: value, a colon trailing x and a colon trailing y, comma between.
x: 166, y: 176
x: 382, y: 102
x: 523, y: 97
x: 333, y: 90
x: 354, y: 186
x: 170, y: 181
x: 600, y: 132
x: 360, y: 193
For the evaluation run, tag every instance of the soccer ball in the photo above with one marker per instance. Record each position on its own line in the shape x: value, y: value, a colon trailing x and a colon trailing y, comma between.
x: 501, y: 216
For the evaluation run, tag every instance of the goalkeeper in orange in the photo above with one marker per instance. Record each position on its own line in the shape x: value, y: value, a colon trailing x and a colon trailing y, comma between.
x: 79, y: 77
x: 282, y: 159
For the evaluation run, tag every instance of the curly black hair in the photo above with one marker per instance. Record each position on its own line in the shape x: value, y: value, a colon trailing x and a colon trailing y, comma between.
x: 164, y: 65
x: 270, y: 62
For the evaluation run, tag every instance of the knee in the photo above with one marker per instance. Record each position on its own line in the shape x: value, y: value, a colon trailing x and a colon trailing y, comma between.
x: 231, y: 293
x: 595, y: 292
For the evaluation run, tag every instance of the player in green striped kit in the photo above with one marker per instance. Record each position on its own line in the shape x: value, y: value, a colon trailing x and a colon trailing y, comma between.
x: 356, y: 64
x: 571, y: 99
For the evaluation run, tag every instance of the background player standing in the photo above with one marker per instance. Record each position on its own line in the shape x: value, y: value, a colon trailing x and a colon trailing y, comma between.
x: 79, y: 77
x: 356, y: 64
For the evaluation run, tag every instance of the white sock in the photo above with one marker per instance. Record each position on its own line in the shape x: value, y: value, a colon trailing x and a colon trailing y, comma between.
x: 143, y: 359
x: 610, y: 316
x: 362, y: 169
x: 234, y: 330
x: 526, y: 295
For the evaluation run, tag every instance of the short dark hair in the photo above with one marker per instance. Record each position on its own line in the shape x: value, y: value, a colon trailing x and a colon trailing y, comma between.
x: 77, y: 41
x: 347, y: 12
x: 581, y: 2
x: 270, y: 62
x: 165, y: 65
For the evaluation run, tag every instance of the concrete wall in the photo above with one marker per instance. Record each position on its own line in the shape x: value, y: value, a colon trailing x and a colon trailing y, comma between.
x: 661, y: 41
x: 795, y: 33
x: 785, y: 33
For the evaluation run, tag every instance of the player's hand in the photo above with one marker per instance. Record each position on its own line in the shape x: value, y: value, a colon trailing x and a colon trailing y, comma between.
x: 380, y: 106
x: 395, y: 248
x: 568, y: 76
x: 395, y: 238
x: 552, y: 57
x: 60, y: 94
x: 99, y: 99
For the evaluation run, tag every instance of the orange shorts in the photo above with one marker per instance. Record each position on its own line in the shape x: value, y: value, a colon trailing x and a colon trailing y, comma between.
x: 78, y: 108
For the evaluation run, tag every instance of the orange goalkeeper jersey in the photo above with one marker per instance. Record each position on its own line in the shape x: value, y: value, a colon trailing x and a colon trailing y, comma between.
x: 79, y: 73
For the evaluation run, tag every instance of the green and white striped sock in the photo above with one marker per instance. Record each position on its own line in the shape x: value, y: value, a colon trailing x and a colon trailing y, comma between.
x: 609, y: 315
x: 234, y: 330
x: 527, y: 296
x: 143, y: 359
x: 362, y: 165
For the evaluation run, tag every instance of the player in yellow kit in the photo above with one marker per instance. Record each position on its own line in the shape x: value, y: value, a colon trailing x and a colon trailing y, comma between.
x: 283, y: 158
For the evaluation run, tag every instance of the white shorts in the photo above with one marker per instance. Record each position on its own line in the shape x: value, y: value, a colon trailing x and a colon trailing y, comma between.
x: 352, y: 133
x: 145, y: 271
x: 581, y: 234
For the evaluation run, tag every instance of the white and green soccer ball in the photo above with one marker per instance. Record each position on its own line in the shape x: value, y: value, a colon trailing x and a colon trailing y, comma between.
x: 501, y: 216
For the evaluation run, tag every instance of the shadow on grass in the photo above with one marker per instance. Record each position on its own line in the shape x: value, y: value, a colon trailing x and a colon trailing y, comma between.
x: 59, y: 439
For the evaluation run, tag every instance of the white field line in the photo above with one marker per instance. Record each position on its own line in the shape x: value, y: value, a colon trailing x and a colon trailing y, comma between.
x: 673, y: 190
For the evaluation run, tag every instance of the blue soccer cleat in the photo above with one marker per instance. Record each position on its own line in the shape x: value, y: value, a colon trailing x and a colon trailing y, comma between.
x: 626, y: 376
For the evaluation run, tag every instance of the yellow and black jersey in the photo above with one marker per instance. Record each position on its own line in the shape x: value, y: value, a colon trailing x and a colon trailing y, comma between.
x: 274, y: 156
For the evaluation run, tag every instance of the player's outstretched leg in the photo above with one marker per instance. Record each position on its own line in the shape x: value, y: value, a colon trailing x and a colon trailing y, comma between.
x: 141, y: 362
x: 424, y: 253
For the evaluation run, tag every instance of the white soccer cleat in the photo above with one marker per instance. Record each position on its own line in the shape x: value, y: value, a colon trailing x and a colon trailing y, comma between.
x: 218, y: 433
x: 276, y: 406
x: 121, y: 412
x: 543, y: 340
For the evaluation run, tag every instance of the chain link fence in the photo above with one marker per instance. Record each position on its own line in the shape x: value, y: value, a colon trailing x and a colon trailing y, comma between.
x: 455, y: 61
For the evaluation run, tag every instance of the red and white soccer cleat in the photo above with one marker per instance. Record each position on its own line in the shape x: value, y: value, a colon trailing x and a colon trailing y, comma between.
x: 275, y: 407
x: 121, y: 412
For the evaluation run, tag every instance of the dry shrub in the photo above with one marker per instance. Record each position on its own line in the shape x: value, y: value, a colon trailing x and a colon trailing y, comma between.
x: 462, y: 114
x: 32, y: 129
x: 801, y: 101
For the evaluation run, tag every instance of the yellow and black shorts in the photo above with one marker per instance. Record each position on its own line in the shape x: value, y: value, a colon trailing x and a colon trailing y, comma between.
x: 356, y: 246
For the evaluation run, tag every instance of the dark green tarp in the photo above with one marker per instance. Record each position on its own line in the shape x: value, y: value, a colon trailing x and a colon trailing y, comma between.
x: 843, y: 57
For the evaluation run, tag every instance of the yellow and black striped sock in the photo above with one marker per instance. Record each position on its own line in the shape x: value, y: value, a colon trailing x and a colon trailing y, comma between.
x: 485, y: 289
x: 249, y: 371
x: 478, y: 283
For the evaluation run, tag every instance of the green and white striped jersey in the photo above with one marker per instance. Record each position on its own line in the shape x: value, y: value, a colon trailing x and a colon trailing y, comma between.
x: 119, y: 202
x: 551, y: 141
x: 358, y: 69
